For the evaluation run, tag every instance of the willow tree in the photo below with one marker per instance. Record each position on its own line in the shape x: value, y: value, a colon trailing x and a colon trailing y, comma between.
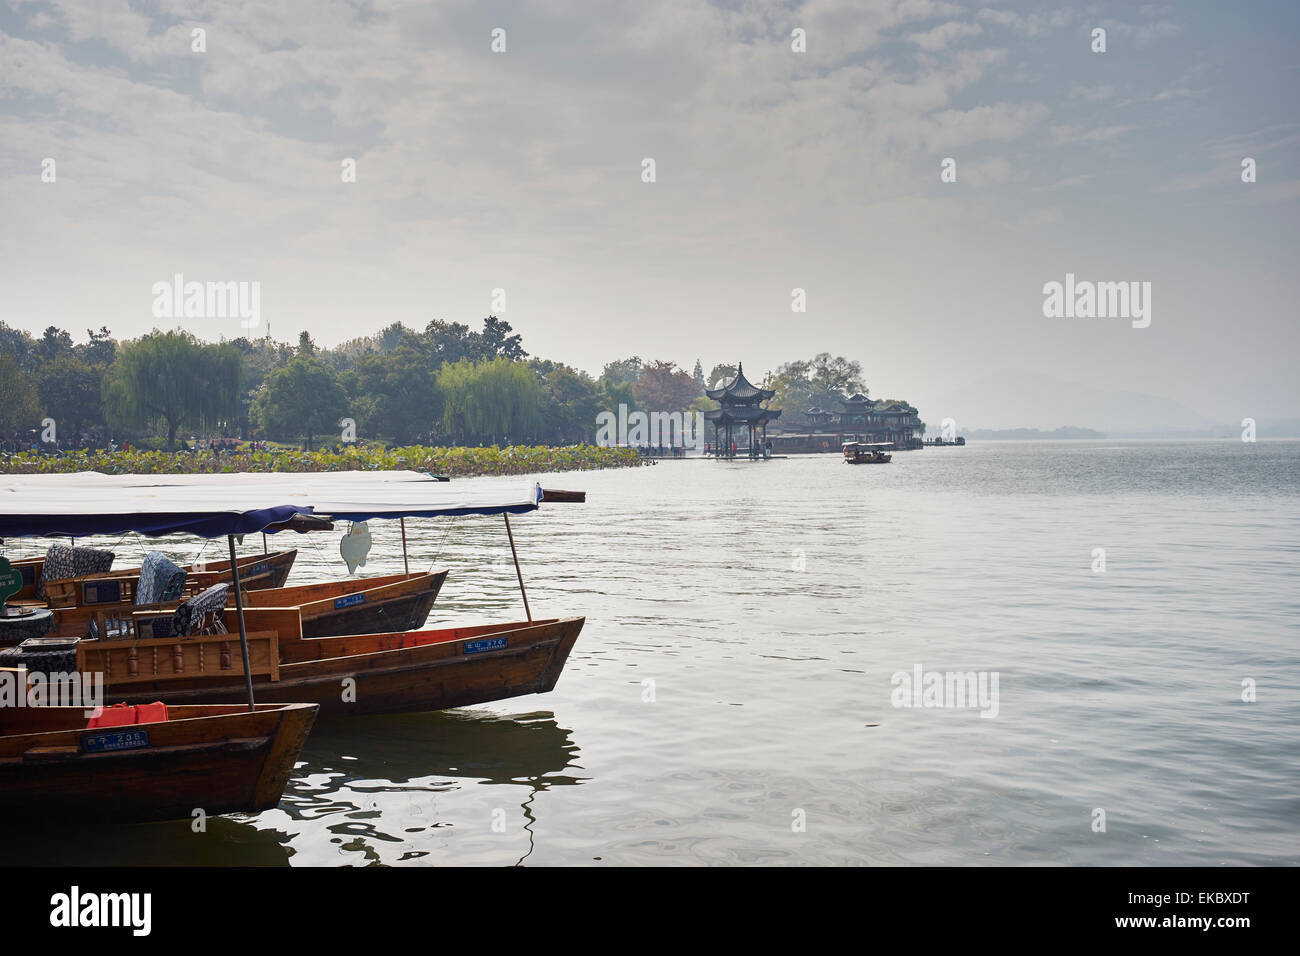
x: 170, y: 381
x: 490, y: 400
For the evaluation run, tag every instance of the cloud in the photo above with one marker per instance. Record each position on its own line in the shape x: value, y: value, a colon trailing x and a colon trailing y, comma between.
x: 945, y: 35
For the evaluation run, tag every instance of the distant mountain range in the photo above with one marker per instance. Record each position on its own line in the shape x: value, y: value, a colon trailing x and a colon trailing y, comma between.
x: 1030, y: 401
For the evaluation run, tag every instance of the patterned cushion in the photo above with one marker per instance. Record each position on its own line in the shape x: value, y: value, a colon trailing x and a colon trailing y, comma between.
x: 160, y: 580
x: 189, y: 616
x: 62, y: 562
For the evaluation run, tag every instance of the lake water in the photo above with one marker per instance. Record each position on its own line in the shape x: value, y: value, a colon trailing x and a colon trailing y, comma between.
x: 730, y: 698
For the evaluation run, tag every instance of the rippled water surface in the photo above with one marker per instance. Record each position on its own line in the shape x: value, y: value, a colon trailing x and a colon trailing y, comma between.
x: 765, y: 607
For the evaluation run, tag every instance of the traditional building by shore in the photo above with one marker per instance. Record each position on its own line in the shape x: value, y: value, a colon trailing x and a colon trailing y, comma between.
x: 859, y: 419
x: 741, y: 414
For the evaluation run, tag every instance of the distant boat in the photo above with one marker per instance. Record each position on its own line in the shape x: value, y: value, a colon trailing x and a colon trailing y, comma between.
x: 866, y: 453
x: 221, y: 757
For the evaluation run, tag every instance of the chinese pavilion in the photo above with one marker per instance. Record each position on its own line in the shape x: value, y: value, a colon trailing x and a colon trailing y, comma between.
x: 741, y: 409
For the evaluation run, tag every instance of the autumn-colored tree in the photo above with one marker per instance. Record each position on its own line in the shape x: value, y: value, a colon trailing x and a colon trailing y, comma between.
x: 663, y: 387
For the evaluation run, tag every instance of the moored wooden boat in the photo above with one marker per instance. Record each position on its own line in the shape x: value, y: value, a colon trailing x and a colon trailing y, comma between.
x: 194, y: 658
x: 220, y: 758
x: 400, y: 672
x: 389, y: 602
x: 255, y: 573
x: 118, y: 585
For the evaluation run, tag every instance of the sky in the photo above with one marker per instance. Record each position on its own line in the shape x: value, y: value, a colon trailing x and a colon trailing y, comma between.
x: 523, y: 169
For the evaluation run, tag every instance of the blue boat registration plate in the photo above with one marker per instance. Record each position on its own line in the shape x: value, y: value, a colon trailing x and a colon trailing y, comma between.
x: 491, y: 644
x: 118, y: 740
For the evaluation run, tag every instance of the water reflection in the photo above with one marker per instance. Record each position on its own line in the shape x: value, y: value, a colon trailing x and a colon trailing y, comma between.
x: 367, y: 788
x: 368, y: 791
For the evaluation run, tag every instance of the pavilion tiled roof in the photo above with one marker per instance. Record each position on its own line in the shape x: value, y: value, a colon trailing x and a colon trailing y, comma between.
x: 740, y: 389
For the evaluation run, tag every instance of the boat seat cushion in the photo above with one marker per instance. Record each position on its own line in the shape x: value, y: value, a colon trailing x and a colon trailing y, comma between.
x: 160, y: 580
x: 62, y: 562
x: 188, y: 619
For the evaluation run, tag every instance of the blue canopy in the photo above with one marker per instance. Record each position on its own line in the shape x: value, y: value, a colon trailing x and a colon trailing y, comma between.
x: 90, y: 503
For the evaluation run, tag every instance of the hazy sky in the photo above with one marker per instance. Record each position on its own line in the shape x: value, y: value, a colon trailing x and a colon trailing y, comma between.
x: 775, y: 169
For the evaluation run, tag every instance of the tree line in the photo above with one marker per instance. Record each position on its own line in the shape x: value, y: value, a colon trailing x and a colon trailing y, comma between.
x: 444, y: 385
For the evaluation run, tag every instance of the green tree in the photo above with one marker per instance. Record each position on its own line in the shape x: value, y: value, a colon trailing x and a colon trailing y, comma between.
x: 570, y: 401
x: 18, y: 406
x: 54, y: 343
x: 395, y: 393
x: 100, y: 350
x: 495, y: 340
x: 302, y: 398
x: 71, y: 393
x: 835, y: 374
x: 490, y: 400
x: 171, y: 380
x: 823, y: 381
x: 622, y: 372
x: 17, y: 344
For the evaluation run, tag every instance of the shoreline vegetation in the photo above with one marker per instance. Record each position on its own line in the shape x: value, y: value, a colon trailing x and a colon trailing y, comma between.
x: 456, y: 462
x: 446, y: 385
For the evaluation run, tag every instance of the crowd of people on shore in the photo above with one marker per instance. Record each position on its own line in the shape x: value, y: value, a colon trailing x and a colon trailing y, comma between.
x: 15, y: 442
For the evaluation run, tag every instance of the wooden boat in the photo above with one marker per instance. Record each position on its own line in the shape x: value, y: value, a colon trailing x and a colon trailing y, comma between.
x: 866, y: 453
x: 384, y: 672
x: 399, y: 672
x: 220, y: 758
x: 255, y: 572
x: 390, y: 602
x: 553, y: 495
x: 352, y: 606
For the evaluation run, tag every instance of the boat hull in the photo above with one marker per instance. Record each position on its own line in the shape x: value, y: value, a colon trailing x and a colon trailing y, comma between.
x: 221, y: 759
x: 473, y: 665
x: 397, y: 602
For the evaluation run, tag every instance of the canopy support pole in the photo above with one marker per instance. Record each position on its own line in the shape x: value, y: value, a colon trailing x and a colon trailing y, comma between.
x: 264, y: 551
x: 519, y: 574
x: 405, y: 562
x: 239, y: 612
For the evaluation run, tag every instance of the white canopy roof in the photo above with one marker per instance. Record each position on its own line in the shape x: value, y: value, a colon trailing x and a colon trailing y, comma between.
x: 88, y: 502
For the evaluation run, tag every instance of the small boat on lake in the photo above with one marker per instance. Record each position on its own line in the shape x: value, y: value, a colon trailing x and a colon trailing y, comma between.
x: 119, y: 584
x: 217, y: 758
x: 400, y: 672
x: 188, y: 654
x: 866, y: 453
x: 390, y: 602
